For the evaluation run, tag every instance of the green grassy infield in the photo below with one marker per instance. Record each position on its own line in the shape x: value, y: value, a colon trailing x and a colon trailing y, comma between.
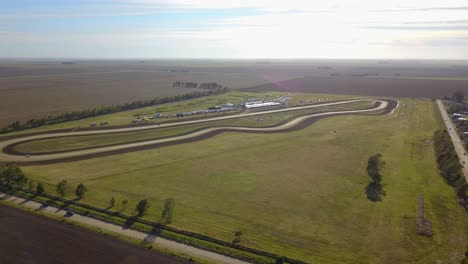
x: 67, y: 143
x: 299, y: 194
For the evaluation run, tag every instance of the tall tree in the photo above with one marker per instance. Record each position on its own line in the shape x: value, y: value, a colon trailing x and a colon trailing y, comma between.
x: 168, y: 210
x: 61, y: 188
x: 374, y: 165
x: 13, y: 176
x: 374, y: 189
x: 30, y: 186
x: 40, y: 189
x: 20, y: 180
x: 279, y: 260
x: 142, y: 207
x: 112, y: 202
x: 80, y: 190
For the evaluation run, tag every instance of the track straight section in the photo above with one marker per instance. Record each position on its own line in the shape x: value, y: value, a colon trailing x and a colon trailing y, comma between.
x: 382, y: 105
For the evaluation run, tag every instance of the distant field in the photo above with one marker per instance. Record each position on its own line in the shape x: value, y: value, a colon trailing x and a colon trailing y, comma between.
x: 29, y: 238
x: 421, y: 87
x: 30, y: 89
x: 37, y: 91
x: 300, y: 193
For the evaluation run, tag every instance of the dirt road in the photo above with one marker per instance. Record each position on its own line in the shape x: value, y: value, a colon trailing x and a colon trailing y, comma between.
x: 172, y: 245
x: 457, y: 142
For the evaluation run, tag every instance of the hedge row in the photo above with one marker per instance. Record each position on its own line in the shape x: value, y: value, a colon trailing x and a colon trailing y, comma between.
x: 449, y: 165
x: 92, y: 112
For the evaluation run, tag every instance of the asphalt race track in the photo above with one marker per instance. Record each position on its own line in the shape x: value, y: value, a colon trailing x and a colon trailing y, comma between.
x: 9, y: 155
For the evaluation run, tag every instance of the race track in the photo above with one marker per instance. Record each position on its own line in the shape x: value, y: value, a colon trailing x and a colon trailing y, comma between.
x: 9, y: 155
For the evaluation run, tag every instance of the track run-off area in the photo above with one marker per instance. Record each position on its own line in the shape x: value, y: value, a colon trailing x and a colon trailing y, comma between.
x: 9, y: 155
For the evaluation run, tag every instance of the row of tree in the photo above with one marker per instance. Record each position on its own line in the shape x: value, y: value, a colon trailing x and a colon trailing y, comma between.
x: 62, y: 188
x: 12, y: 177
x: 143, y: 206
x: 208, y: 85
x: 92, y: 112
x: 449, y: 165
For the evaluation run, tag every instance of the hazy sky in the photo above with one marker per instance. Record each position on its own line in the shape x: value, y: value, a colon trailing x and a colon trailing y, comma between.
x: 399, y: 29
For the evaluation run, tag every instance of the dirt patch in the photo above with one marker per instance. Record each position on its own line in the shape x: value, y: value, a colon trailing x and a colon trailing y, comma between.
x: 29, y: 238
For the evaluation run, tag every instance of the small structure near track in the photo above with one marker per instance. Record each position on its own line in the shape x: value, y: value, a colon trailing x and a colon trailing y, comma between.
x: 256, y: 104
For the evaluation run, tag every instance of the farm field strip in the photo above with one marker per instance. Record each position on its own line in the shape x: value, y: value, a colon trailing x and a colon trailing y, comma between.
x: 9, y: 157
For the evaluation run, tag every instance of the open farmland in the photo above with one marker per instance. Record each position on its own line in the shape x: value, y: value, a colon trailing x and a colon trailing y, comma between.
x: 31, y: 238
x: 48, y: 88
x: 299, y: 194
x: 35, y: 89
x: 370, y: 86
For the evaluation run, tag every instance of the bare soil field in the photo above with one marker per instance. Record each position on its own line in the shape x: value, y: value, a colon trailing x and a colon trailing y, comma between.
x: 30, y: 89
x: 29, y: 238
x: 370, y: 86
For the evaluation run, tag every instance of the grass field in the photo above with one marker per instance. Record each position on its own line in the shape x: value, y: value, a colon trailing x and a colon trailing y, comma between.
x: 125, y: 118
x: 68, y: 143
x: 300, y: 194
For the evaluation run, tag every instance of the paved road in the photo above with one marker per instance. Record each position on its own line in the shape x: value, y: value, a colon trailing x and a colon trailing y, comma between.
x: 457, y: 142
x: 5, y: 157
x: 172, y: 245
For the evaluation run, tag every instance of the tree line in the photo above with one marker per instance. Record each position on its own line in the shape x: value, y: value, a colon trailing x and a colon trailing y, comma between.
x: 92, y: 112
x: 13, y: 178
x: 208, y: 85
x: 16, y: 178
x: 449, y: 165
x: 374, y: 189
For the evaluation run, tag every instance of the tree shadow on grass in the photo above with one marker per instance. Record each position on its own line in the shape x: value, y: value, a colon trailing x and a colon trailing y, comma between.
x: 130, y: 221
x: 374, y: 192
x: 63, y: 206
x: 151, y: 237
